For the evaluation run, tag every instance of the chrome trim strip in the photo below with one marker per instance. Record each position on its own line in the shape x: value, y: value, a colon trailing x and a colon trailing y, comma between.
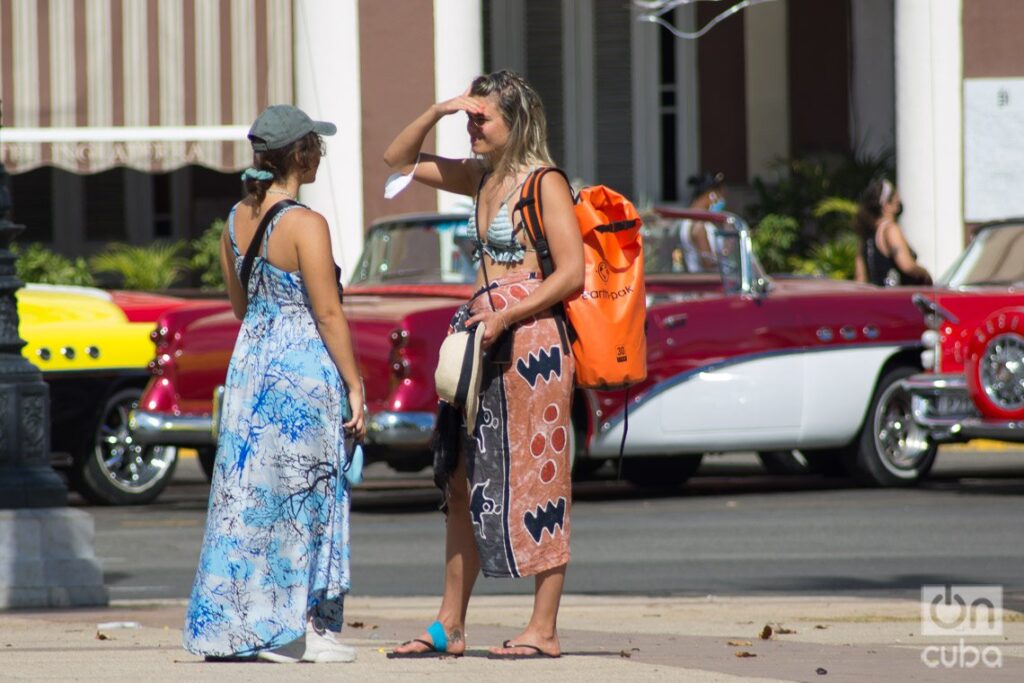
x: 931, y: 382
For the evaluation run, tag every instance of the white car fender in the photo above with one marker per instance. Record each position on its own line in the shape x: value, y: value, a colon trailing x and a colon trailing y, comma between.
x: 777, y: 400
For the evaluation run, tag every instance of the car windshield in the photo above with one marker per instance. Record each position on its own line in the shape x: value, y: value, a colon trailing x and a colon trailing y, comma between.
x: 683, y: 245
x: 439, y: 250
x: 995, y: 257
x: 428, y: 251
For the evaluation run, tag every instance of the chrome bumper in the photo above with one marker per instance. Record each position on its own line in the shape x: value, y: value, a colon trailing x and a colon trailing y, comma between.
x: 171, y: 430
x: 940, y: 403
x: 409, y: 431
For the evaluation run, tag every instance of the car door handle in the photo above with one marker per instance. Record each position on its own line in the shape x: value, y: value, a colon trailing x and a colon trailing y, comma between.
x: 677, y: 320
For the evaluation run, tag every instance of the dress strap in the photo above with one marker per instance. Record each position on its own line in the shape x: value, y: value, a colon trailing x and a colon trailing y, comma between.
x: 231, y: 230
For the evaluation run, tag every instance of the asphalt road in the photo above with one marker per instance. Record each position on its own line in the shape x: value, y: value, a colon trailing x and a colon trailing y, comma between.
x: 732, y: 530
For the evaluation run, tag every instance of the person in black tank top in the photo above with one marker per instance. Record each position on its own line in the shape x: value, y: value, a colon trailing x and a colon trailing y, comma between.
x: 885, y: 259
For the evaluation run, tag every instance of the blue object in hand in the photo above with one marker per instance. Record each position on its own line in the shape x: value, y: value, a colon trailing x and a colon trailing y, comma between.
x: 354, y: 471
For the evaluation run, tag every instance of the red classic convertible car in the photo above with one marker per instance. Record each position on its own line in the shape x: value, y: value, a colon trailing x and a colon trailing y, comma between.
x: 793, y: 367
x: 973, y: 386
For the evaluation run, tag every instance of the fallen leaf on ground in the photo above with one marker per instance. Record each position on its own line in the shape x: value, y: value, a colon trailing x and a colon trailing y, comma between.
x: 739, y: 643
x: 821, y: 626
x: 744, y: 653
x: 766, y: 632
x: 102, y: 636
x: 356, y: 624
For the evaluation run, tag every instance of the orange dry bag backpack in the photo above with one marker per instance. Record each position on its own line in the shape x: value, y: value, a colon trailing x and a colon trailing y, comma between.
x: 606, y: 318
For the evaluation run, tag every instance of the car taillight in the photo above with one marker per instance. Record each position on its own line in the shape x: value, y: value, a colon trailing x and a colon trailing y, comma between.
x: 398, y: 364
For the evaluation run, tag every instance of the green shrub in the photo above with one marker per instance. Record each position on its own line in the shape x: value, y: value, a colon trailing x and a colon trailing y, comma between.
x: 154, y: 267
x: 205, y: 259
x: 37, y: 263
x: 774, y: 238
x: 806, y: 217
x: 833, y: 259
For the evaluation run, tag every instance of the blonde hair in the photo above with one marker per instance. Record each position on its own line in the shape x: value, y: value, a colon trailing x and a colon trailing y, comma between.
x: 523, y: 112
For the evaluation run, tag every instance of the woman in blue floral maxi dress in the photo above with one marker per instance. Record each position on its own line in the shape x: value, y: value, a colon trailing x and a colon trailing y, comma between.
x: 274, y: 566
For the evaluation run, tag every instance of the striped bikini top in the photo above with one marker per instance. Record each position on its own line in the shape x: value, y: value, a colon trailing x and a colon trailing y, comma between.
x: 500, y: 242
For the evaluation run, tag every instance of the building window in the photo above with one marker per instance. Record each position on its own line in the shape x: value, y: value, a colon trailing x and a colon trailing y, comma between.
x: 667, y: 114
x: 163, y: 222
x: 30, y: 194
x: 104, y: 206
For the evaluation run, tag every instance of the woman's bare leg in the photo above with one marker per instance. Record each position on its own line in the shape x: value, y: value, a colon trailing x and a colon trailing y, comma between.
x: 462, y: 566
x: 542, y: 631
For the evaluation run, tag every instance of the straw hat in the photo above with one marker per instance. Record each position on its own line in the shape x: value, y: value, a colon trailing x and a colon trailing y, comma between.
x: 459, y: 372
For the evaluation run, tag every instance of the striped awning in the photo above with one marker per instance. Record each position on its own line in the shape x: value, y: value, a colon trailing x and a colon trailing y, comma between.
x: 87, y: 85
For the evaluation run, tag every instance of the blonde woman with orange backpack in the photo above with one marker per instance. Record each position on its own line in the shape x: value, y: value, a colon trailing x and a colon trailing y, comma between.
x: 504, y: 465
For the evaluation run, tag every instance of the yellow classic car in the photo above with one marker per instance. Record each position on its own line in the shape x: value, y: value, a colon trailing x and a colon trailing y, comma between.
x: 93, y: 348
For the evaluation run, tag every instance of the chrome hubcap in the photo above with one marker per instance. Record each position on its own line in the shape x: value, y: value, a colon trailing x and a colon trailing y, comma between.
x: 900, y: 442
x: 128, y: 465
x: 1002, y: 371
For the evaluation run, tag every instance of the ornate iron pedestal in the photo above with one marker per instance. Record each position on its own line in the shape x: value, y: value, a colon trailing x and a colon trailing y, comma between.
x: 46, y: 547
x: 26, y: 478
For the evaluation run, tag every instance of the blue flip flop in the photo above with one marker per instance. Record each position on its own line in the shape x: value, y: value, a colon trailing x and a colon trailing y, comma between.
x: 438, y: 648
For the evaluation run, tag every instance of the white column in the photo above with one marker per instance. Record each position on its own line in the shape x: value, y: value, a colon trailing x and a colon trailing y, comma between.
x: 872, y: 106
x: 929, y: 162
x: 458, y: 59
x: 767, y: 89
x: 327, y: 86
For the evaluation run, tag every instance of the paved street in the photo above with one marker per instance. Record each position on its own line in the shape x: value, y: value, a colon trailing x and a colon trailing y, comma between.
x: 676, y: 586
x: 731, y: 531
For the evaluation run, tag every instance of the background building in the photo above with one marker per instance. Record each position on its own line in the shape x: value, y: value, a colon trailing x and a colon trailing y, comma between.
x: 125, y: 119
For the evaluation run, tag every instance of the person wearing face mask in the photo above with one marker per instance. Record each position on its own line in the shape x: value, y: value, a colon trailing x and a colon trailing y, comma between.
x: 885, y: 257
x: 695, y: 236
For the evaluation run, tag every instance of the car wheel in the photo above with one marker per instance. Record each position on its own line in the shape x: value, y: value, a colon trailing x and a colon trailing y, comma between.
x: 207, y: 457
x: 112, y: 469
x: 892, y: 449
x: 827, y: 462
x: 660, y: 472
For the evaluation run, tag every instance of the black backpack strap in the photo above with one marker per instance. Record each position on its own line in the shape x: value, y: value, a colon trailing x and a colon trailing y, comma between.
x: 257, y: 239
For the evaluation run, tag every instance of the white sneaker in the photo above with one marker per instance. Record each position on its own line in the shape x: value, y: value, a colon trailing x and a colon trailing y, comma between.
x: 290, y: 653
x: 322, y: 647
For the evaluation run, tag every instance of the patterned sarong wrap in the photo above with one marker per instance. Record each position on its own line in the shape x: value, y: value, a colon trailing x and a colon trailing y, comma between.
x: 517, y: 459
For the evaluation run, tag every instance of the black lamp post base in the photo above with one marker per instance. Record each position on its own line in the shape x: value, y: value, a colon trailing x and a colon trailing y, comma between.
x: 31, y: 486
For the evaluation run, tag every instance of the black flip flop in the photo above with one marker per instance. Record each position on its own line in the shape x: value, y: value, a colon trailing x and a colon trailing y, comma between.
x: 537, y: 652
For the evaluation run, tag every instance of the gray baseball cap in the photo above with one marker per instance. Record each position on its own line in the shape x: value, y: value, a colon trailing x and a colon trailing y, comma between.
x: 282, y: 124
